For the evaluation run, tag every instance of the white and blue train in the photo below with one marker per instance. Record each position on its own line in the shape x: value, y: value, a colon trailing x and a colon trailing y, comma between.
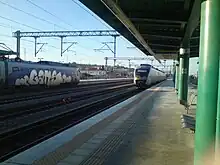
x: 44, y: 73
x: 146, y: 75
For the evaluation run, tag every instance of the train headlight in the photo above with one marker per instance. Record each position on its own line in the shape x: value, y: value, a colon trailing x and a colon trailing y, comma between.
x: 137, y: 77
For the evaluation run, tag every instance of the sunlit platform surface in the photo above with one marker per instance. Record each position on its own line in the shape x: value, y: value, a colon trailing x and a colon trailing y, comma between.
x: 143, y: 130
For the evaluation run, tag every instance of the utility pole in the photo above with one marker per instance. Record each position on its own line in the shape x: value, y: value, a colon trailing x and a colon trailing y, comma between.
x: 129, y: 63
x: 35, y: 47
x: 114, y: 50
x: 109, y: 48
x: 67, y: 49
x: 106, y: 63
x: 40, y: 58
x: 24, y: 53
x: 18, y: 37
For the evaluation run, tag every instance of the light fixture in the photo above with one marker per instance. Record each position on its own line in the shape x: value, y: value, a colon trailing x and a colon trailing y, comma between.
x: 182, y: 51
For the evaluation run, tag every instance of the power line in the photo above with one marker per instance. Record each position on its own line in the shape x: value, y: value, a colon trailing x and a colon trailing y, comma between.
x: 27, y: 39
x: 30, y: 14
x: 11, y: 37
x: 74, y: 1
x: 85, y: 47
x: 90, y: 13
x: 37, y: 18
x: 9, y: 26
x: 10, y: 41
x: 2, y: 25
x: 33, y: 42
x: 58, y: 17
x: 92, y: 16
x: 19, y: 23
x: 24, y: 25
x: 48, y: 12
x: 5, y: 35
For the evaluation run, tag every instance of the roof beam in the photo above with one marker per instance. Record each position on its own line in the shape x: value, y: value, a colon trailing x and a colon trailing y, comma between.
x: 164, y: 45
x: 193, y: 22
x: 161, y: 51
x: 116, y: 10
x: 162, y: 33
x: 156, y: 20
x: 195, y: 38
x: 187, y: 4
x: 194, y: 46
x: 152, y: 25
x: 161, y: 36
x: 169, y: 55
x: 165, y: 42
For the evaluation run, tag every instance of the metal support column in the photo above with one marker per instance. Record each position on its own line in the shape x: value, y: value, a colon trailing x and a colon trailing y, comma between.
x: 180, y: 77
x: 177, y: 77
x: 35, y: 46
x: 18, y: 43
x: 183, y: 77
x: 129, y: 64
x: 114, y: 50
x: 217, y: 138
x: 106, y: 63
x: 61, y: 46
x: 208, y: 80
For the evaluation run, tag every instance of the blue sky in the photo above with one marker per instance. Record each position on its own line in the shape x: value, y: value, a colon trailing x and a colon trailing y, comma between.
x: 67, y: 15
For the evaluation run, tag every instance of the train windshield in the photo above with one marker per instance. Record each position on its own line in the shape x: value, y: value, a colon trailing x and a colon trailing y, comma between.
x: 142, y: 72
x: 145, y: 65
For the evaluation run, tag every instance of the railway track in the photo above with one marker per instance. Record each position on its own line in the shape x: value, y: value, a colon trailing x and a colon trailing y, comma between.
x: 50, y: 92
x: 10, y: 91
x: 29, y: 129
x: 13, y: 110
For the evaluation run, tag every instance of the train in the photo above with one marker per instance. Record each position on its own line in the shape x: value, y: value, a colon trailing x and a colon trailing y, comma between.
x: 146, y: 75
x: 18, y: 73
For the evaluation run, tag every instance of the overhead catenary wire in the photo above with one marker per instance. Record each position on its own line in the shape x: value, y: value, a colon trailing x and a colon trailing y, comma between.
x: 94, y: 16
x: 38, y: 6
x: 25, y: 26
x: 11, y: 20
x: 8, y: 26
x: 90, y: 14
x: 74, y: 1
x: 32, y: 15
x: 48, y: 12
x: 36, y: 17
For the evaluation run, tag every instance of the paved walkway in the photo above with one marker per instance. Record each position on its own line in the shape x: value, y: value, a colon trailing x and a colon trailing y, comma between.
x: 157, y: 138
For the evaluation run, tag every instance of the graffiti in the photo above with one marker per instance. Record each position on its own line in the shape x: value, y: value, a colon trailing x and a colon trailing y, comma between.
x: 46, y: 77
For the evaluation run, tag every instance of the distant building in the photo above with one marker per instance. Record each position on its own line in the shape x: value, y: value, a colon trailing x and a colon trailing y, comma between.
x: 93, y: 72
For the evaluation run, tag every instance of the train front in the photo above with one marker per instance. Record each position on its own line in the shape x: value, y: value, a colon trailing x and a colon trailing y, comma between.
x: 140, y: 77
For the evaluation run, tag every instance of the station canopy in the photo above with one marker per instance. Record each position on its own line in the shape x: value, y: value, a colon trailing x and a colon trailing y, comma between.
x: 157, y: 27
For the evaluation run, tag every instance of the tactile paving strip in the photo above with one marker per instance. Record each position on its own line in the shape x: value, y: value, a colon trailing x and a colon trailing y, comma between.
x: 112, y: 143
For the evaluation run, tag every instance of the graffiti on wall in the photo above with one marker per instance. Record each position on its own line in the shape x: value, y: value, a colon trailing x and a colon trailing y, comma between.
x: 43, y: 77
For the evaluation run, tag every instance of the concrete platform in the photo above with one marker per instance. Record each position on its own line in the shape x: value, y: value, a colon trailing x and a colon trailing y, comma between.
x: 144, y: 129
x: 91, y: 81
